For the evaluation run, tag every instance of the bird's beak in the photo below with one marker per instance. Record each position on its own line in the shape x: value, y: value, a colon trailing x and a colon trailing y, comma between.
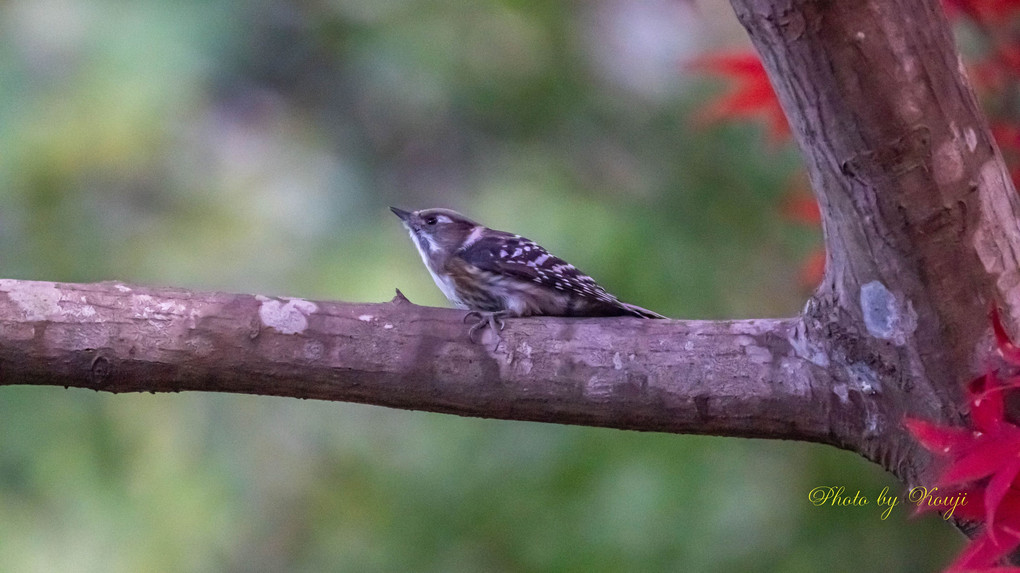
x: 400, y: 213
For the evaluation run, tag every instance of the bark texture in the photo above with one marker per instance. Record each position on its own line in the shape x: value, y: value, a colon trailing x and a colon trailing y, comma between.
x: 751, y: 378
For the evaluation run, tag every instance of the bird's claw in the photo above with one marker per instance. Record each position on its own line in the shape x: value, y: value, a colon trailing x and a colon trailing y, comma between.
x: 494, y: 320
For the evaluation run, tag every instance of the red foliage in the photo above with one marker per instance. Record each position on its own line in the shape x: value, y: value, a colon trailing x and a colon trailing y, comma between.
x: 982, y: 11
x: 801, y: 208
x: 983, y: 462
x: 812, y: 270
x: 1008, y: 56
x: 751, y: 96
x: 996, y: 71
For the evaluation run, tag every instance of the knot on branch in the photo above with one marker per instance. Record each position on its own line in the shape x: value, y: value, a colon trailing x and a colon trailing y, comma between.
x: 100, y: 371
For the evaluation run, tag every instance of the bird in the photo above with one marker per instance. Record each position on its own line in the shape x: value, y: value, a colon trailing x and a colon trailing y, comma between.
x: 496, y: 275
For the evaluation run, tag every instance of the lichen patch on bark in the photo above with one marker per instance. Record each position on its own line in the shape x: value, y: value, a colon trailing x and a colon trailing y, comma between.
x: 290, y: 317
x: 885, y: 316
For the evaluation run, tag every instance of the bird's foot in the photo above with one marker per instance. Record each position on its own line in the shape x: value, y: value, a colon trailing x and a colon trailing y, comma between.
x: 494, y: 320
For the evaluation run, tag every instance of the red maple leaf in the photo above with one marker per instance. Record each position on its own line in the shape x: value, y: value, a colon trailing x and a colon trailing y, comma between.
x: 983, y: 554
x: 985, y: 459
x: 985, y: 550
x: 983, y: 462
x: 751, y: 96
x: 993, y: 451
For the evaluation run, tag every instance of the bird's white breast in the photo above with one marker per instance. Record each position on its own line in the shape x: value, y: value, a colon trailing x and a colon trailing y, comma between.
x: 444, y: 283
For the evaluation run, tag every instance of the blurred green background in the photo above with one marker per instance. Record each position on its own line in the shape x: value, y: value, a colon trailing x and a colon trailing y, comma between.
x: 254, y: 147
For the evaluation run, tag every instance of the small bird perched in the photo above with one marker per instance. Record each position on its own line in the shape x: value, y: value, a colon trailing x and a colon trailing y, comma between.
x: 495, y: 274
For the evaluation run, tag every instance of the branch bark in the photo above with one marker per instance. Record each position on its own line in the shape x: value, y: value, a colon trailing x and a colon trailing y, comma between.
x: 752, y: 378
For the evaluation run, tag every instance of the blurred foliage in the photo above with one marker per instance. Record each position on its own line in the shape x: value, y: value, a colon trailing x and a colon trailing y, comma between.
x: 254, y: 147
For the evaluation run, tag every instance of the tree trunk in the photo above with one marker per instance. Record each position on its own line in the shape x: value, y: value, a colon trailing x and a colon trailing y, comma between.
x: 919, y: 214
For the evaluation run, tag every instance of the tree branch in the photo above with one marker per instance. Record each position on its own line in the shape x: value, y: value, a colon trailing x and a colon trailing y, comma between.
x: 919, y: 215
x: 749, y: 378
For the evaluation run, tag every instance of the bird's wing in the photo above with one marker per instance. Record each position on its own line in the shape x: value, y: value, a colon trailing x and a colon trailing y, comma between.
x: 524, y: 260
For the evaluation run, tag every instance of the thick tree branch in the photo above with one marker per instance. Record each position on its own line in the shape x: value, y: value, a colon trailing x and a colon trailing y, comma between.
x: 920, y: 218
x: 751, y: 378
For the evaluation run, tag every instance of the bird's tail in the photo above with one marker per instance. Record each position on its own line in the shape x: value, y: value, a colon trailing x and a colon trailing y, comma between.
x: 640, y: 312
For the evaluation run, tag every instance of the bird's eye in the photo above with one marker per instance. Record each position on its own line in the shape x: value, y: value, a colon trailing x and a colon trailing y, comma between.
x: 430, y: 220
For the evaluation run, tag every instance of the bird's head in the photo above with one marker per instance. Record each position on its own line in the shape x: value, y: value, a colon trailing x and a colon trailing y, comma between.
x: 436, y: 231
